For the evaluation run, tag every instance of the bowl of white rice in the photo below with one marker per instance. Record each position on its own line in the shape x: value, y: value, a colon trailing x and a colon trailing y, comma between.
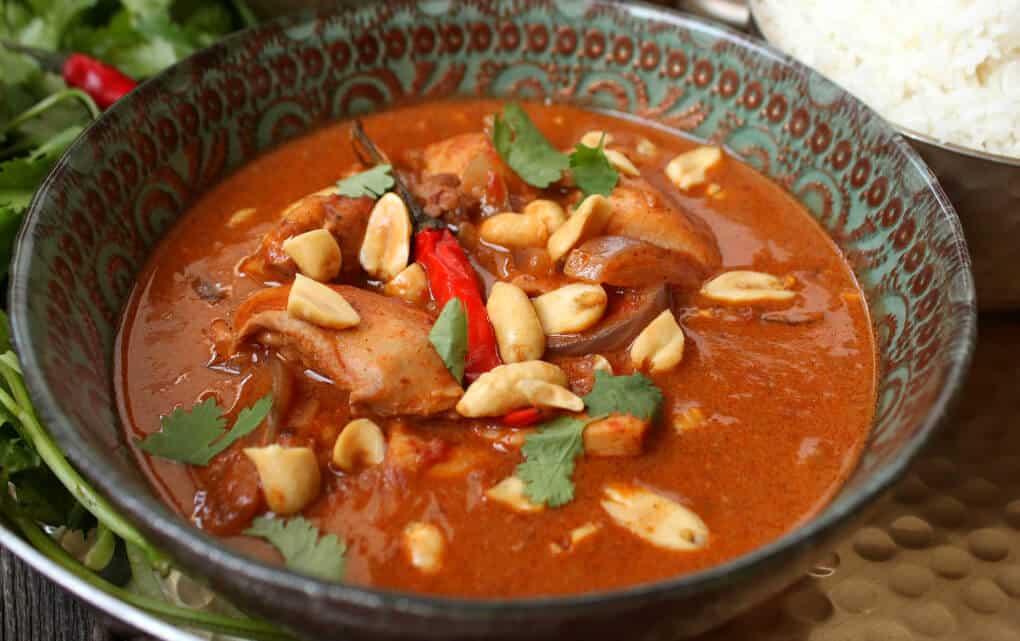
x: 947, y: 74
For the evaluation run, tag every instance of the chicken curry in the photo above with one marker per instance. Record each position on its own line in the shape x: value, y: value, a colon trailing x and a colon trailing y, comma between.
x: 483, y: 349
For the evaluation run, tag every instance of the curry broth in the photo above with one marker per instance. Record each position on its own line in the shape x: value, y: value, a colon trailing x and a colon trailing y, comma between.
x: 787, y: 407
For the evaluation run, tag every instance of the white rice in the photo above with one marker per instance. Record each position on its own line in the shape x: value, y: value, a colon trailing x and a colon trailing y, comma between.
x: 946, y: 68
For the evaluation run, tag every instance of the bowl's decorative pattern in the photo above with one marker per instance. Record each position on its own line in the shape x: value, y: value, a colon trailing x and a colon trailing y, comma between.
x: 125, y: 182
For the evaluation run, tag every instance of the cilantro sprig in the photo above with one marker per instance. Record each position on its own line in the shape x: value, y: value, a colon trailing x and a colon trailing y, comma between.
x: 551, y: 454
x: 372, y: 182
x: 523, y: 147
x: 449, y: 335
x: 198, y: 435
x: 532, y: 157
x: 635, y: 394
x: 304, y: 548
x: 593, y: 173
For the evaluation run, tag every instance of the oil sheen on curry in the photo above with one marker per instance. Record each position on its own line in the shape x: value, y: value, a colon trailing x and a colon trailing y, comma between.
x: 491, y: 350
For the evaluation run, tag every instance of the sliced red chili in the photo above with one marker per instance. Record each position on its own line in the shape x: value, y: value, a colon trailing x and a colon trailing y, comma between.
x: 451, y: 275
x: 522, y: 417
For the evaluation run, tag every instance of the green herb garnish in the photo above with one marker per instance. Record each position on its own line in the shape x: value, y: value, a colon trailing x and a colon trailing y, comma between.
x: 303, y: 547
x: 373, y: 183
x: 196, y: 436
x: 524, y: 148
x: 636, y: 395
x: 593, y: 173
x: 527, y: 151
x: 551, y: 454
x: 449, y: 337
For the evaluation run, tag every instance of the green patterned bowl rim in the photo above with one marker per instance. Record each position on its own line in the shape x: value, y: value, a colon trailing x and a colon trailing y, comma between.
x: 149, y: 511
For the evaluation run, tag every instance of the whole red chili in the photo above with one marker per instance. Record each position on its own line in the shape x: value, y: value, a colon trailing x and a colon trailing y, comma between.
x: 451, y: 275
x: 105, y: 84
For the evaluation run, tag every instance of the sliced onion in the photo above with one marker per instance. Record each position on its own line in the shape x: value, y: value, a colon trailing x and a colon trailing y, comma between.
x: 626, y: 262
x: 629, y: 313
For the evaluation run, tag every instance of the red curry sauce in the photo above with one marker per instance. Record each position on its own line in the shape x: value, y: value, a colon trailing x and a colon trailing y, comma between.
x: 786, y: 394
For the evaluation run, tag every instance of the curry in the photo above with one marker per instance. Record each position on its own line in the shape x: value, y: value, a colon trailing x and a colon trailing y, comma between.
x: 477, y: 349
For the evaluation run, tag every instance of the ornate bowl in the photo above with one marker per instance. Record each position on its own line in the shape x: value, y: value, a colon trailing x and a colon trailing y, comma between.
x: 129, y: 177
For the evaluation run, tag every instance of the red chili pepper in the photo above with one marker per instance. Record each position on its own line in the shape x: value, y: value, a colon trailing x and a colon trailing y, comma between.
x: 452, y: 276
x: 104, y: 83
x: 522, y: 417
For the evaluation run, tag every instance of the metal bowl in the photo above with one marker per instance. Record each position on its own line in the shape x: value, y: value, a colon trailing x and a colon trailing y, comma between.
x: 984, y: 187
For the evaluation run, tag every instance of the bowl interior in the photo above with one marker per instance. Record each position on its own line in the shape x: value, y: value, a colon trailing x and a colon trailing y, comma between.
x: 129, y: 177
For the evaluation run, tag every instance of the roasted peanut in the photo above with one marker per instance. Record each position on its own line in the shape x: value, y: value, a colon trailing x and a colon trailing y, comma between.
x: 410, y: 285
x: 621, y: 162
x: 320, y: 305
x: 424, y: 545
x: 548, y: 211
x: 660, y: 346
x: 514, y: 231
x: 616, y: 435
x: 495, y: 392
x: 647, y: 149
x: 387, y: 244
x: 690, y: 169
x: 742, y: 287
x: 571, y: 308
x: 289, y: 475
x: 689, y: 419
x: 656, y: 519
x: 577, y: 536
x: 518, y: 330
x: 594, y: 137
x: 241, y: 217
x: 316, y: 253
x: 546, y: 395
x: 360, y: 442
x: 510, y: 493
x: 600, y: 363
x: 588, y: 221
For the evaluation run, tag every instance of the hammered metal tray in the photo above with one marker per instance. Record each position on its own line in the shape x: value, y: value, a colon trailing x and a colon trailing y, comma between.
x: 940, y: 556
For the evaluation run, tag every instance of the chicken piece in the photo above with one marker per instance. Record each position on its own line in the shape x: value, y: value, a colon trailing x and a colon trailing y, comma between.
x: 453, y: 155
x: 386, y: 362
x: 440, y: 196
x: 473, y: 159
x: 346, y: 218
x: 409, y: 453
x: 616, y: 435
x: 643, y: 213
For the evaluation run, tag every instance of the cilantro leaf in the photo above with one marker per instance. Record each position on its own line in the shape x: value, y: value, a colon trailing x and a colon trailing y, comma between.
x: 520, y: 143
x: 16, y: 453
x: 302, y: 546
x: 635, y: 394
x: 196, y: 436
x: 449, y: 336
x: 593, y: 173
x: 550, y: 454
x: 373, y: 183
